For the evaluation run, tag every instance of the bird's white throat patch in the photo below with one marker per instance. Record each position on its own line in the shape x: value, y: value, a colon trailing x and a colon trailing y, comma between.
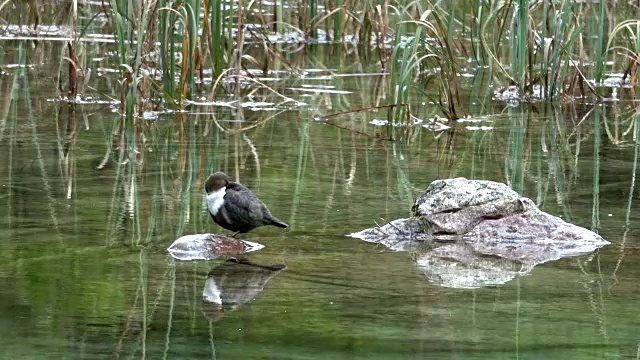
x: 215, y: 200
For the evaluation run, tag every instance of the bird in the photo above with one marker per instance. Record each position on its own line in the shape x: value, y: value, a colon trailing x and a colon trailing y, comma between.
x: 236, y: 208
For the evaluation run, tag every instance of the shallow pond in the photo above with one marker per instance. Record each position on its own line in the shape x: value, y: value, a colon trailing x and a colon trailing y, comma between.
x: 85, y: 272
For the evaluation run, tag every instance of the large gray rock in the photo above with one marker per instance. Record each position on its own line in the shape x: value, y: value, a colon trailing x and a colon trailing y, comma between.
x: 492, y: 234
x: 455, y: 206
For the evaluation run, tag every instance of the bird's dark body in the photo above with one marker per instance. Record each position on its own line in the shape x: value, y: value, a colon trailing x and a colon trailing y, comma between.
x: 241, y: 211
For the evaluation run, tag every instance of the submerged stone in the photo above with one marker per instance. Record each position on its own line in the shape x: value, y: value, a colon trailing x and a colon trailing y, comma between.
x: 210, y: 246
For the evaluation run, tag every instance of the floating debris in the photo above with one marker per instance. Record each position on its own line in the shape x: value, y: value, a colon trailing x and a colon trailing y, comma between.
x: 321, y: 90
x: 434, y: 124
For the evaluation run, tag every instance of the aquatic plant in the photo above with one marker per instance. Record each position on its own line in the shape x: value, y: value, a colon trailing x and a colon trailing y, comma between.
x: 630, y: 29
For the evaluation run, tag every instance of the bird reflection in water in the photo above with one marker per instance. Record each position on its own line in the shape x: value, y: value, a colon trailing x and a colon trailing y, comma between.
x: 234, y: 283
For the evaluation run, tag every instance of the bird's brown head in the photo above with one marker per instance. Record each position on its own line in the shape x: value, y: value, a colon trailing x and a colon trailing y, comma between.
x: 215, y: 182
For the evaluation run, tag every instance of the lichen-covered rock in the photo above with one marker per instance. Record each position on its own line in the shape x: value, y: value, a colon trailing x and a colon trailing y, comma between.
x: 455, y: 206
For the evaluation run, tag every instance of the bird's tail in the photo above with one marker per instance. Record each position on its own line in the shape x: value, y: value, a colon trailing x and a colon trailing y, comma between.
x: 275, y: 222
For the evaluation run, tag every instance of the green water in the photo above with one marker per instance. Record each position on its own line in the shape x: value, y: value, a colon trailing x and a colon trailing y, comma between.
x: 84, y: 271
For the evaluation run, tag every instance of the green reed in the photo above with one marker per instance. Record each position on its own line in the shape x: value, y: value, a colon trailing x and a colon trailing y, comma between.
x: 180, y: 49
x: 338, y: 22
x: 215, y: 29
x: 520, y: 30
x: 478, y: 14
x: 405, y: 65
x: 167, y: 50
x: 313, y: 13
x: 630, y: 30
x: 566, y: 32
x: 600, y: 42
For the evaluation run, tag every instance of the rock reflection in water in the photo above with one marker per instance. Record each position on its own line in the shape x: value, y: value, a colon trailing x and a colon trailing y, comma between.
x: 234, y: 283
x: 460, y: 265
x: 472, y: 262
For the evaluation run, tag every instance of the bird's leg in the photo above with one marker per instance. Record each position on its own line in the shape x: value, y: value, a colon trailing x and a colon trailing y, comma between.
x: 235, y: 233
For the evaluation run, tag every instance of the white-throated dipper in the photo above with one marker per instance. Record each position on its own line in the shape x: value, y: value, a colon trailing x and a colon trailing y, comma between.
x: 235, y: 207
